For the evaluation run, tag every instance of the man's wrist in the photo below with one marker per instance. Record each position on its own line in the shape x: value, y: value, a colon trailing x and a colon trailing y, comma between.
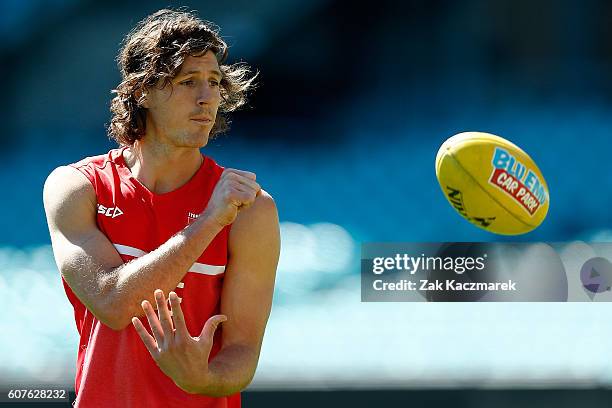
x: 211, y: 222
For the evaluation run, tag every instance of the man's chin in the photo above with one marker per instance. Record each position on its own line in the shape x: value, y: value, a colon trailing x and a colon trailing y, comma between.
x: 203, y: 141
x: 195, y: 141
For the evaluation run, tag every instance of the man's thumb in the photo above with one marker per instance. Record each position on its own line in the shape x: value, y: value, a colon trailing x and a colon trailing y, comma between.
x: 208, y: 331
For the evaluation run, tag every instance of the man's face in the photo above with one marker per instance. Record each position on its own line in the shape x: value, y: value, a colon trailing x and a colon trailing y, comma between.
x: 182, y: 115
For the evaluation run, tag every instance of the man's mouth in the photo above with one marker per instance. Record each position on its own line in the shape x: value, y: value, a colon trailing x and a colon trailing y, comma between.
x: 203, y: 121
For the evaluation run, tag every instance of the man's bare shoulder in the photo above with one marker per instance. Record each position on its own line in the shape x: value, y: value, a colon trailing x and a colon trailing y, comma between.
x: 65, y: 191
x: 265, y: 201
x: 263, y: 210
x: 257, y: 227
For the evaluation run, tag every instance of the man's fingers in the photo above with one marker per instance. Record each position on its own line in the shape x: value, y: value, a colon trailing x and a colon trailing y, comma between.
x: 153, y: 322
x: 251, y: 184
x: 242, y: 173
x: 235, y: 186
x: 164, y: 315
x: 208, y: 331
x: 243, y: 187
x: 248, y: 192
x: 238, y: 181
x: 248, y: 203
x: 177, y: 315
x: 146, y: 338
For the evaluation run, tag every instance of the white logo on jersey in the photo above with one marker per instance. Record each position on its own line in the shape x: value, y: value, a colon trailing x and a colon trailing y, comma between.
x: 192, y: 216
x: 112, y: 212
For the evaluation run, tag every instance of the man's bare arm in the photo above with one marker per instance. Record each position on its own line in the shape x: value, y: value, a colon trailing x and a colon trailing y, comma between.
x: 90, y: 264
x: 246, y: 299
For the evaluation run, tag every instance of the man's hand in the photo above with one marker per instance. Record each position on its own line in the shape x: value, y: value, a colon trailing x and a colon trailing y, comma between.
x: 181, y: 357
x: 235, y: 191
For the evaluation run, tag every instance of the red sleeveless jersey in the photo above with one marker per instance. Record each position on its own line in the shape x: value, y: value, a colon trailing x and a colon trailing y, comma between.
x: 114, y: 369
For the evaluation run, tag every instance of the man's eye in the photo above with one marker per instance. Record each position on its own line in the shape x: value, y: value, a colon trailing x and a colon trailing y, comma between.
x: 187, y: 82
x: 214, y: 83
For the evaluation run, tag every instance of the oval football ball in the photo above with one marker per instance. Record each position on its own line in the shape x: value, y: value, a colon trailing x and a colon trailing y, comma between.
x: 492, y: 183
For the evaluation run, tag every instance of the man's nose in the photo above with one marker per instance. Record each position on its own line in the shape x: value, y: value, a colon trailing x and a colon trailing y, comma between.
x: 205, y: 96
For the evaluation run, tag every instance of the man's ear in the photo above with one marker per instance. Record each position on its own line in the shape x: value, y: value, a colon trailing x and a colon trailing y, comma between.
x: 141, y: 98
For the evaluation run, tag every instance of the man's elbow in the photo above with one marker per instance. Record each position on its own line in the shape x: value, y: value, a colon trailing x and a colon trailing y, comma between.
x: 114, y: 313
x: 224, y: 383
x: 114, y: 319
x: 118, y: 324
x: 224, y: 390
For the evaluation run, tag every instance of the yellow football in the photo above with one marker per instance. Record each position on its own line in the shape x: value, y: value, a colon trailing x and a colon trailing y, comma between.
x: 492, y: 183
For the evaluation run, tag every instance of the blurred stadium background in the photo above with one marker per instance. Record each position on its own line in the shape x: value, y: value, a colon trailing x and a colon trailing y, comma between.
x: 353, y: 104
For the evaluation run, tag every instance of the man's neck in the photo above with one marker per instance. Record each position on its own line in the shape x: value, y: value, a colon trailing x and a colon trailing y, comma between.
x: 162, y: 168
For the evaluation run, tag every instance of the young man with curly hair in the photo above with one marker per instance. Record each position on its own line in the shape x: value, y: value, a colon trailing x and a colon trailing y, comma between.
x: 155, y: 225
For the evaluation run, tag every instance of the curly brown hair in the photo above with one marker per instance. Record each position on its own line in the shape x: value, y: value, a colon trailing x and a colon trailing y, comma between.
x: 152, y: 54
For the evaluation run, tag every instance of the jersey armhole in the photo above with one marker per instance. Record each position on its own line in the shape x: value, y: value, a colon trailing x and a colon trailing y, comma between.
x: 88, y: 173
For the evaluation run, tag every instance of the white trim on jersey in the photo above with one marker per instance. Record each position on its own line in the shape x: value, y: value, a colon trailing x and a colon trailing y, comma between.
x: 207, y: 269
x: 197, y: 267
x: 130, y: 251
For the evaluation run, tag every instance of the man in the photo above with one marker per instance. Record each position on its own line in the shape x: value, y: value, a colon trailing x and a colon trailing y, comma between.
x: 150, y: 223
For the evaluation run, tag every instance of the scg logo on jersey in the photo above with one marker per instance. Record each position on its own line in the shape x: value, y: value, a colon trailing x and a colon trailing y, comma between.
x: 112, y: 212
